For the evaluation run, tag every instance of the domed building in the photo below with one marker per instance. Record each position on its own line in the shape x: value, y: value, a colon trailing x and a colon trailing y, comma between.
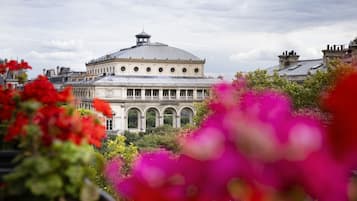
x: 147, y: 85
x: 146, y: 58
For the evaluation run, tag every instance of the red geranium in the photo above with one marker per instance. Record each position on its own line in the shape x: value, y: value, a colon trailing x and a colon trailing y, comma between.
x: 17, y: 127
x: 103, y: 107
x: 341, y: 102
x: 43, y: 91
x: 13, y: 65
x: 7, y: 103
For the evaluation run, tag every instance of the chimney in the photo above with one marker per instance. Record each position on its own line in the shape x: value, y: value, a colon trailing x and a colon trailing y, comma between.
x: 44, y: 71
x: 57, y: 70
x: 288, y: 58
x: 333, y: 52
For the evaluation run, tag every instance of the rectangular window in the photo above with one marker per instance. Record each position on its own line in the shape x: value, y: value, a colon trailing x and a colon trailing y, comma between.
x: 182, y: 94
x: 129, y: 93
x: 206, y: 93
x: 109, y: 124
x: 137, y: 93
x: 173, y: 94
x: 165, y: 94
x: 155, y: 93
x: 190, y: 94
x: 148, y: 94
x: 200, y: 94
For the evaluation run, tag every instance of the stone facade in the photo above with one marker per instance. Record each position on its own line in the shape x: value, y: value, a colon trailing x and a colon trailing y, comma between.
x: 147, y: 85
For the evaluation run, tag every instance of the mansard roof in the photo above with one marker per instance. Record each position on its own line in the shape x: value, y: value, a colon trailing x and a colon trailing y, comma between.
x: 300, y: 68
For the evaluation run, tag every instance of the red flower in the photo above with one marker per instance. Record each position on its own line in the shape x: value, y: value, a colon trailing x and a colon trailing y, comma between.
x: 93, y: 129
x: 341, y: 102
x: 7, y: 103
x: 2, y: 68
x: 43, y: 91
x: 13, y: 65
x: 24, y: 65
x: 103, y: 107
x: 57, y: 123
x: 17, y: 127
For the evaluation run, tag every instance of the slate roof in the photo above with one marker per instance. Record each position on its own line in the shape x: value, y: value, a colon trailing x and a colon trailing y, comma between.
x: 300, y: 68
x: 155, y: 50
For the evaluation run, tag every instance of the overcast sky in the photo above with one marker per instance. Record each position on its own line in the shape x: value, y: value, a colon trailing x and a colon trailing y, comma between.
x: 233, y: 35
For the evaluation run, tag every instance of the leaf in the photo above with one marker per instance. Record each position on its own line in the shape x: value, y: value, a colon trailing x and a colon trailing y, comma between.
x: 49, y: 186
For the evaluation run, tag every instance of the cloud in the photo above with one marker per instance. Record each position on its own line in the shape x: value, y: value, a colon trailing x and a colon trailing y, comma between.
x: 232, y: 35
x: 64, y: 45
x: 53, y: 55
x: 255, y: 54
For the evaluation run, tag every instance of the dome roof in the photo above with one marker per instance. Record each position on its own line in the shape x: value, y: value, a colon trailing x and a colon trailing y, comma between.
x: 150, y: 51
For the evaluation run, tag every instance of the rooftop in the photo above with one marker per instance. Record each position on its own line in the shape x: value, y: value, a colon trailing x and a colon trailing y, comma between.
x: 144, y: 49
x: 300, y: 68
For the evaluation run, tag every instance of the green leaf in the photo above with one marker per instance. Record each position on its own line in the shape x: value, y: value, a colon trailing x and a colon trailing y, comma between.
x: 49, y: 186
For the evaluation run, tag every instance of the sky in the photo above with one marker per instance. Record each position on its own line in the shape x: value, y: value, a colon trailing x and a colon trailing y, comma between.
x: 232, y: 35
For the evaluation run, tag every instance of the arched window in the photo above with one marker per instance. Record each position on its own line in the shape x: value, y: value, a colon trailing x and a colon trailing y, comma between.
x: 184, y: 70
x: 148, y: 69
x: 186, y: 116
x: 133, y: 118
x: 152, y: 118
x: 136, y: 69
x: 196, y: 70
x: 170, y: 117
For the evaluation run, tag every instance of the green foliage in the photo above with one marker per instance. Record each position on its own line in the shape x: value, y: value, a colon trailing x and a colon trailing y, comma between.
x: 150, y: 119
x: 161, y: 137
x: 133, y: 119
x: 55, y: 172
x: 303, y: 95
x: 118, y: 148
x: 201, y: 112
x: 153, y: 141
x: 84, y: 112
x: 113, y: 147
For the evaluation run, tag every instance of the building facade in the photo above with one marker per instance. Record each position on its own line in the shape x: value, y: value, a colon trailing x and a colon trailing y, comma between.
x: 147, y: 85
x: 297, y: 70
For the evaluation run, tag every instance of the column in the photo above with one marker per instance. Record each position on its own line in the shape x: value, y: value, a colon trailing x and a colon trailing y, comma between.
x: 178, y: 121
x: 143, y: 124
x: 160, y: 94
